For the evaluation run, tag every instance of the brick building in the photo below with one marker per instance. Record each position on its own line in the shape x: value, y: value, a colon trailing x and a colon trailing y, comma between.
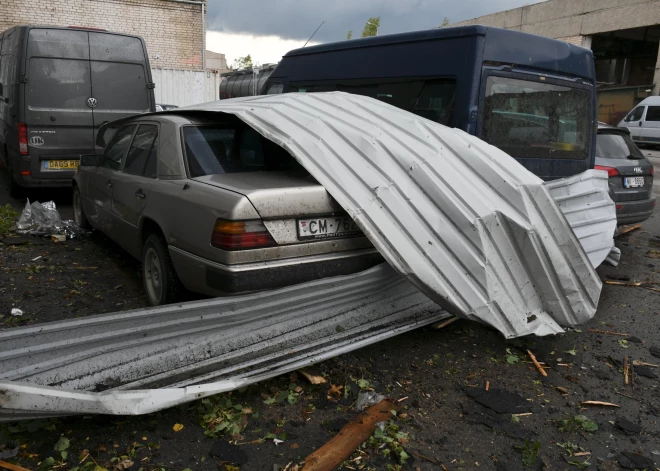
x: 174, y: 30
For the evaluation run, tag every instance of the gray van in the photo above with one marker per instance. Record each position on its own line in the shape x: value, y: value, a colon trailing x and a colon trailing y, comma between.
x: 57, y: 87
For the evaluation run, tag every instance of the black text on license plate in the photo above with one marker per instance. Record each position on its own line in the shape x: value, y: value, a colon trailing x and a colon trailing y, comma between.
x: 633, y: 182
x: 319, y: 228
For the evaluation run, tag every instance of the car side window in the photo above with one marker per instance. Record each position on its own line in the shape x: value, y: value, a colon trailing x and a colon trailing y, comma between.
x: 141, y: 148
x: 117, y: 147
x: 636, y: 114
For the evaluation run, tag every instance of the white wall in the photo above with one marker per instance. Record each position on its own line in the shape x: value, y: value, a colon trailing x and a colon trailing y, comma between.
x: 185, y: 87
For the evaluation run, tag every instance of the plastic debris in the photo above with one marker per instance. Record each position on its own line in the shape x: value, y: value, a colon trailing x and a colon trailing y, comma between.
x: 43, y: 219
x: 16, y: 312
x: 368, y: 398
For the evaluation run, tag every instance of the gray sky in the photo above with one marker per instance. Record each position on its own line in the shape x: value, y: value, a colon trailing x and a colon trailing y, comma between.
x: 297, y: 19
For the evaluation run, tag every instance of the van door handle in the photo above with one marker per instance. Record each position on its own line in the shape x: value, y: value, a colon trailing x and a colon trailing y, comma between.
x: 640, y: 123
x: 140, y: 194
x: 109, y: 184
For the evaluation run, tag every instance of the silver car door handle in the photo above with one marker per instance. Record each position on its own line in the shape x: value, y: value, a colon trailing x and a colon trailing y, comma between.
x: 109, y: 184
x: 140, y: 194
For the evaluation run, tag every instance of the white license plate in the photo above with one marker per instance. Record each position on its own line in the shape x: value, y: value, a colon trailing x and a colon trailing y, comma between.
x: 322, y: 228
x: 633, y: 182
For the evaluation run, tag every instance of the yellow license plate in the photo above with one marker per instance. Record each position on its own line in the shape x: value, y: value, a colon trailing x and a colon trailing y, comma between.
x: 62, y: 164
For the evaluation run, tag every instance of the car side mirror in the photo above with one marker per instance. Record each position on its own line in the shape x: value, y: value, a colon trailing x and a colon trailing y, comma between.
x: 90, y: 160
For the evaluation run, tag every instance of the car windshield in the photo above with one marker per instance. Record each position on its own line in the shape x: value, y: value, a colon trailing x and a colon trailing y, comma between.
x: 616, y: 146
x: 537, y: 120
x: 218, y: 149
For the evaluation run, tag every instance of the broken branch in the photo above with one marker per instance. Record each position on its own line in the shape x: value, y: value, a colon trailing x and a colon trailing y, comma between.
x: 440, y: 325
x: 536, y: 363
x: 626, y: 229
x: 599, y: 403
x: 625, y: 369
x: 12, y: 467
x: 351, y: 436
x: 606, y: 332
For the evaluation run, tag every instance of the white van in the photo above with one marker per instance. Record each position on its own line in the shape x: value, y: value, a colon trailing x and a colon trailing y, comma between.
x: 643, y: 121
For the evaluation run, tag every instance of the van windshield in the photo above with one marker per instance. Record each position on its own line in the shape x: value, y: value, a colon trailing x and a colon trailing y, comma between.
x: 530, y: 119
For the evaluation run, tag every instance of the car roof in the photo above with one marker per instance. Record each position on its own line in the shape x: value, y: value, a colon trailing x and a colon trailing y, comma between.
x: 652, y: 100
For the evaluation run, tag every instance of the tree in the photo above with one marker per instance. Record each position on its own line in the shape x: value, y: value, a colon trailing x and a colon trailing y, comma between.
x: 243, y: 62
x: 371, y: 27
x: 349, y: 35
x: 445, y: 23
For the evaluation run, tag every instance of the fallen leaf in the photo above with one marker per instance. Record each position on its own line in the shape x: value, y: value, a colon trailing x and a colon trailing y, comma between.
x: 247, y: 410
x: 562, y: 390
x: 294, y: 446
x: 335, y: 390
x: 123, y: 464
x: 177, y: 427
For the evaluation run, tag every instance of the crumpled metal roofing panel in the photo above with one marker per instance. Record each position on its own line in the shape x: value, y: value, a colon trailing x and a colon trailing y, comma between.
x: 469, y: 226
x: 201, y: 348
x: 585, y: 201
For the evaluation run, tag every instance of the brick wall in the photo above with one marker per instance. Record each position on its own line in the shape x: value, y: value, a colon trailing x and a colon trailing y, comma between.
x: 172, y: 31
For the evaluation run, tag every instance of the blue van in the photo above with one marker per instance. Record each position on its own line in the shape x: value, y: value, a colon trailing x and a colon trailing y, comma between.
x: 533, y: 97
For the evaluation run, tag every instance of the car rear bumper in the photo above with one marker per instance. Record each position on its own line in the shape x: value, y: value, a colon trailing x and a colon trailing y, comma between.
x: 214, y: 279
x: 631, y: 212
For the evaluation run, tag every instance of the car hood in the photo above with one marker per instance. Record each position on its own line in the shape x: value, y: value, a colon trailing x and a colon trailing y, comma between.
x: 278, y: 194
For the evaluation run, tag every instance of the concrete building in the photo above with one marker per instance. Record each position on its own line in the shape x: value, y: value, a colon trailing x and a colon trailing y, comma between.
x: 216, y: 61
x: 174, y: 30
x: 623, y: 34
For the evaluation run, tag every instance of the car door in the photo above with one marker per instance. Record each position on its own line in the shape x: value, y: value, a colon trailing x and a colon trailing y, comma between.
x: 100, y: 179
x: 634, y: 122
x: 651, y: 126
x: 131, y: 187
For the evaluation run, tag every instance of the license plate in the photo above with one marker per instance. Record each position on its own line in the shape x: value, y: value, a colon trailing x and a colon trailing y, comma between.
x: 323, y: 228
x: 633, y: 182
x: 61, y: 164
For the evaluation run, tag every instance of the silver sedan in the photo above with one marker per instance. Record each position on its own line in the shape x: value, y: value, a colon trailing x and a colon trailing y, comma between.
x: 209, y: 205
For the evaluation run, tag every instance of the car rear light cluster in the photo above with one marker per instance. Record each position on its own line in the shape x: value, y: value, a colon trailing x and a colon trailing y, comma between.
x: 22, y: 138
x: 241, y: 235
x: 611, y: 171
x: 652, y: 170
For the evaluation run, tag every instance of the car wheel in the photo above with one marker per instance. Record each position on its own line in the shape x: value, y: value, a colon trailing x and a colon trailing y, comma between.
x: 78, y: 212
x: 161, y: 282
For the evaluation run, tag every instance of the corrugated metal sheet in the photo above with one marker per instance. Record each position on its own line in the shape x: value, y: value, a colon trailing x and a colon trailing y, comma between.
x: 185, y: 87
x: 467, y: 224
x: 585, y: 202
x: 198, y: 349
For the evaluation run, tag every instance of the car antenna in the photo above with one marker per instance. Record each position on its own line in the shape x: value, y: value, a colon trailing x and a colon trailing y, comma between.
x: 310, y: 38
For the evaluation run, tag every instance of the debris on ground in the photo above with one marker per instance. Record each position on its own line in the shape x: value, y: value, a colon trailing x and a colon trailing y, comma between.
x: 43, y: 219
x: 620, y: 230
x: 312, y: 377
x: 16, y: 312
x: 605, y: 332
x: 443, y: 324
x: 9, y: 450
x: 367, y: 399
x: 653, y: 253
x: 228, y: 453
x: 627, y: 426
x: 599, y: 403
x: 635, y: 284
x: 351, y: 436
x: 645, y: 371
x: 12, y: 467
x: 500, y: 400
x: 536, y: 363
x: 634, y: 461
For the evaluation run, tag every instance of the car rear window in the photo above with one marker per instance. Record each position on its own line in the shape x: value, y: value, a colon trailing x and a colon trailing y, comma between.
x: 616, y: 146
x: 214, y: 150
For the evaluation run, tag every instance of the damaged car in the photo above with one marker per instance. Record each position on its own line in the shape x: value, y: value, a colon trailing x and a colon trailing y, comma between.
x: 209, y: 205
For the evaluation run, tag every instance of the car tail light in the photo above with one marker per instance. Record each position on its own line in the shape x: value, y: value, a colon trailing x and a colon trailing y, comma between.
x: 652, y: 170
x: 240, y: 235
x: 619, y: 206
x: 611, y: 171
x: 25, y: 173
x: 22, y: 138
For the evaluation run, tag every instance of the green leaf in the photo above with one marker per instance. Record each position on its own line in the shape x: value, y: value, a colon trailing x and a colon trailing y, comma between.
x: 624, y: 343
x: 62, y: 444
x: 573, y: 351
x: 364, y: 384
x: 63, y: 454
x: 403, y: 456
x: 282, y: 396
x: 270, y: 401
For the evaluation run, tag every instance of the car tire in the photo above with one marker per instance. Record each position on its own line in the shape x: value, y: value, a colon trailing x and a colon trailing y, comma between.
x: 78, y: 212
x: 161, y: 283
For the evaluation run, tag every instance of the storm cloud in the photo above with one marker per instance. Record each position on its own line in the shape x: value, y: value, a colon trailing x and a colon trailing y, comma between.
x: 297, y: 19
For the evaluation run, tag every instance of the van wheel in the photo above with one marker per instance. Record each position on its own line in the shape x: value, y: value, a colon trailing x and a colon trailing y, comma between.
x: 78, y: 212
x: 161, y: 282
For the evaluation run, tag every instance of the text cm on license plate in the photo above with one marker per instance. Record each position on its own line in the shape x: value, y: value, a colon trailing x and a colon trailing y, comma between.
x: 633, y: 182
x: 321, y: 228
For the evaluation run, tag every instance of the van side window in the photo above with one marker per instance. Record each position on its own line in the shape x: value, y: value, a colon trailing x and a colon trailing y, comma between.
x: 275, y: 88
x: 141, y: 148
x: 653, y: 113
x: 117, y: 147
x: 431, y: 99
x: 636, y: 114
